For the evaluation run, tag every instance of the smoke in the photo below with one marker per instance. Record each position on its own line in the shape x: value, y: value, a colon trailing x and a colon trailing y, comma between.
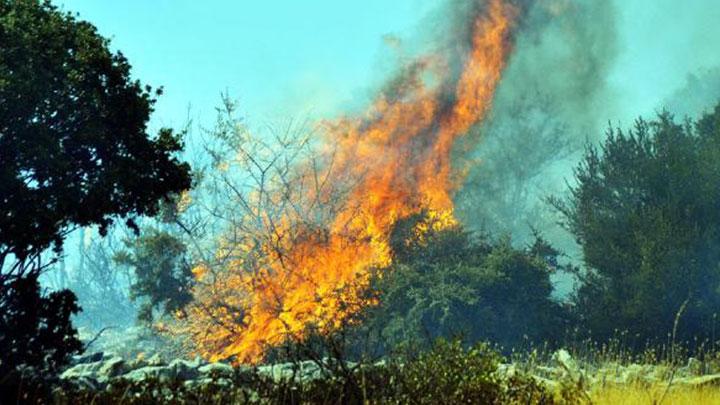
x: 394, y: 159
x: 700, y: 93
x: 577, y: 66
x: 553, y: 97
x: 662, y: 42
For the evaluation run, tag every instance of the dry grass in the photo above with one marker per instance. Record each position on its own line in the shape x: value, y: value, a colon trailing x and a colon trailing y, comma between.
x: 637, y: 394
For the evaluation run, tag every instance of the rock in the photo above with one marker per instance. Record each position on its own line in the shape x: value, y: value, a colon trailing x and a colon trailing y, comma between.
x: 111, y: 368
x: 712, y: 380
x: 80, y: 370
x: 155, y: 360
x: 221, y: 382
x: 570, y: 369
x: 636, y: 374
x: 183, y: 369
x: 87, y: 358
x: 548, y: 383
x: 302, y: 370
x: 565, y: 360
x: 178, y: 369
x: 506, y: 371
x: 694, y: 366
x: 217, y: 370
x: 101, y: 370
x: 546, y: 372
x: 161, y: 373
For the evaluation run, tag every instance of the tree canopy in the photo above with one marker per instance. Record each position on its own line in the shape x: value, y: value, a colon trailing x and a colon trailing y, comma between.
x: 449, y: 282
x: 74, y: 144
x: 646, y: 212
x: 163, y: 276
x: 74, y: 151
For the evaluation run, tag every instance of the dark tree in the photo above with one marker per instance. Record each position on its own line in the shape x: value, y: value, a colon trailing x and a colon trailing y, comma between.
x: 646, y: 212
x: 163, y: 275
x: 73, y: 132
x: 74, y: 151
x: 449, y: 283
x: 36, y: 330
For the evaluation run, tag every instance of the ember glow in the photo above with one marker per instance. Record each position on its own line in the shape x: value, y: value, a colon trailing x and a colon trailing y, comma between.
x: 396, y: 161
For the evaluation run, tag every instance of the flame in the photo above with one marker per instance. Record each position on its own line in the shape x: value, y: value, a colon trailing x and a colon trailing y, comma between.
x: 398, y: 158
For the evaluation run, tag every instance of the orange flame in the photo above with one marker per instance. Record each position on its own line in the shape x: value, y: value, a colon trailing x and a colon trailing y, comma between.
x: 399, y: 157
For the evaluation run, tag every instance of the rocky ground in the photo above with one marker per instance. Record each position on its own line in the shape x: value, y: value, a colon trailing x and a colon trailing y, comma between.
x: 132, y: 357
x: 96, y: 371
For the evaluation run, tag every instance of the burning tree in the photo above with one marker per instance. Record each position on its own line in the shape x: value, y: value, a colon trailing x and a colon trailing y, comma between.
x: 267, y: 198
x: 308, y: 221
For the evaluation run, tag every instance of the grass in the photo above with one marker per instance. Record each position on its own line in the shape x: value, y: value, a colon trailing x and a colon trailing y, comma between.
x: 657, y: 394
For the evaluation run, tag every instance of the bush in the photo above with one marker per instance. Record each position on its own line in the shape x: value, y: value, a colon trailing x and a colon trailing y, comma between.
x: 163, y: 275
x: 645, y: 212
x: 452, y: 284
x: 35, y: 331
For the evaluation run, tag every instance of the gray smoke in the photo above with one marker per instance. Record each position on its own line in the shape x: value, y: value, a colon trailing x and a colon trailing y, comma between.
x: 552, y: 98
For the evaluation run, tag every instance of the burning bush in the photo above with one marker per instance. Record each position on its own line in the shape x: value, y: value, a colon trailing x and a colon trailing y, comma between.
x: 303, y: 235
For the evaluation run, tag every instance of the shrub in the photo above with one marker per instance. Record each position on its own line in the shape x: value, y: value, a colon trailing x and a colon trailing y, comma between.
x: 35, y: 331
x: 163, y: 275
x: 645, y: 212
x: 452, y: 284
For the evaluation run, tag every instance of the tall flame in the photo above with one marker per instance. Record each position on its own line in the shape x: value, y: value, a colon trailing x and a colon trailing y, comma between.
x: 399, y: 158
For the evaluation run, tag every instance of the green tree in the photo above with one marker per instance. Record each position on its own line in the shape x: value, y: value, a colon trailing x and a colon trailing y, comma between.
x: 451, y: 283
x: 74, y: 151
x: 163, y: 275
x: 645, y: 212
x: 74, y: 145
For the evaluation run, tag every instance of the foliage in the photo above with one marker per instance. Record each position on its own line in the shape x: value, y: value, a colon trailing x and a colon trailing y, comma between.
x: 163, y: 275
x: 74, y: 147
x: 451, y: 373
x: 75, y: 152
x: 35, y: 330
x: 449, y: 283
x: 645, y: 212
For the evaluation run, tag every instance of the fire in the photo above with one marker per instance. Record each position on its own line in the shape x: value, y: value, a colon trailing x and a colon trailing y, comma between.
x: 398, y: 160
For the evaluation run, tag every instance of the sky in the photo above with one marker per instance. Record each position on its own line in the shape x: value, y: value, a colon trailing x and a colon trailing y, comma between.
x: 314, y: 58
x: 278, y: 58
x: 662, y: 42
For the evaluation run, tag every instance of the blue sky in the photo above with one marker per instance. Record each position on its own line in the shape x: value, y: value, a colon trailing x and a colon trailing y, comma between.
x: 661, y: 43
x: 285, y: 58
x: 279, y: 58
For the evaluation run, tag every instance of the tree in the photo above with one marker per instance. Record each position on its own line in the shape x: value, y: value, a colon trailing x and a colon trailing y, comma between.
x: 524, y: 141
x: 265, y: 201
x: 73, y: 133
x: 448, y: 282
x: 163, y: 276
x: 101, y: 286
x: 36, y: 330
x: 645, y: 212
x: 74, y: 151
